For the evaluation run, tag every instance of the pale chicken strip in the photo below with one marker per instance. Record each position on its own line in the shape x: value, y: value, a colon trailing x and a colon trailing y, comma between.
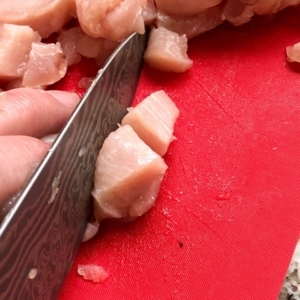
x: 15, y: 46
x: 44, y: 16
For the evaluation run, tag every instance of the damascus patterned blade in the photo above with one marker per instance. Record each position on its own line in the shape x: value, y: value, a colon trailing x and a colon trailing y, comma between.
x: 40, y: 236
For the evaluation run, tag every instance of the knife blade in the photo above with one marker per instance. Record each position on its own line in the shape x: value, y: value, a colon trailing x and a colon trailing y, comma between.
x: 40, y: 236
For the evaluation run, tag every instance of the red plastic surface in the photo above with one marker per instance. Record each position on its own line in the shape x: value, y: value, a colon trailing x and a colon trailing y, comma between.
x: 237, y: 136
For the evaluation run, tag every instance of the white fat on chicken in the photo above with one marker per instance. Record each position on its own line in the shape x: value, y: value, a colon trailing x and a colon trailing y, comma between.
x: 153, y: 120
x: 15, y: 46
x: 127, y: 176
x: 47, y: 64
x: 167, y: 51
x: 193, y: 25
x: 44, y: 16
x: 185, y: 7
x: 111, y: 19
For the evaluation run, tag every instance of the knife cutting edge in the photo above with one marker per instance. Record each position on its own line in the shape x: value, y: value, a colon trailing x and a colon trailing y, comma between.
x: 40, y: 236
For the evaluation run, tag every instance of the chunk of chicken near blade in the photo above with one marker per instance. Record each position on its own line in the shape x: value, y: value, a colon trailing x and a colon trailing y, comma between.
x: 153, y: 120
x: 125, y: 169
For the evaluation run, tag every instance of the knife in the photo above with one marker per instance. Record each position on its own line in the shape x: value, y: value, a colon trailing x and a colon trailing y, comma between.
x: 40, y: 236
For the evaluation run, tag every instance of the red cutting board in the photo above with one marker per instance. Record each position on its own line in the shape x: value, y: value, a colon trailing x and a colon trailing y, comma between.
x: 238, y: 134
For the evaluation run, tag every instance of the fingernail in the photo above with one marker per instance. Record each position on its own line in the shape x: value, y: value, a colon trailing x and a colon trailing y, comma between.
x: 68, y: 99
x: 50, y: 138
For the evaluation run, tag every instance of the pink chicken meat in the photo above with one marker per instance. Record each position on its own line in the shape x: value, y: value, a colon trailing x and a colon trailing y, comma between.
x: 153, y: 120
x: 47, y: 64
x: 92, y: 272
x: 167, y: 51
x: 127, y: 176
x: 293, y: 53
x: 191, y: 26
x: 44, y: 16
x: 185, y: 7
x: 67, y: 40
x: 15, y: 46
x: 111, y: 19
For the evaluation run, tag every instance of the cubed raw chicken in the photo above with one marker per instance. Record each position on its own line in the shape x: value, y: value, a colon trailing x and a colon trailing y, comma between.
x: 67, y: 40
x: 191, y: 26
x: 167, y: 51
x: 185, y: 7
x: 127, y: 176
x: 293, y: 53
x: 47, y: 64
x: 153, y: 120
x: 149, y: 12
x: 111, y: 19
x: 15, y: 46
x: 44, y: 16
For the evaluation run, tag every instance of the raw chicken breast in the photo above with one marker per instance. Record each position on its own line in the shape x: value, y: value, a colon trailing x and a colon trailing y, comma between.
x: 85, y: 82
x: 92, y: 272
x: 127, y: 176
x: 185, y: 7
x: 145, y: 201
x: 44, y: 16
x: 67, y: 40
x: 237, y: 12
x: 263, y: 7
x: 72, y: 5
x: 47, y: 64
x: 15, y: 45
x: 149, y: 12
x: 107, y: 48
x: 111, y: 19
x: 98, y: 48
x: 167, y: 51
x: 191, y: 26
x: 293, y: 53
x: 15, y: 84
x: 88, y: 46
x: 153, y: 120
x: 286, y: 3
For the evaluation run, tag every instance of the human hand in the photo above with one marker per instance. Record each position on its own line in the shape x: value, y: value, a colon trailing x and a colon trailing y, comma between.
x: 26, y: 116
